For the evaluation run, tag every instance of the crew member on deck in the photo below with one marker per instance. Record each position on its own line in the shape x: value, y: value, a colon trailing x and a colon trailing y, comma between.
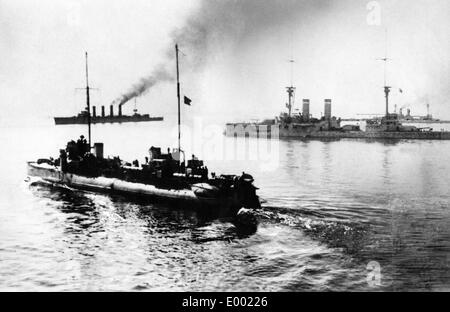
x: 82, y: 146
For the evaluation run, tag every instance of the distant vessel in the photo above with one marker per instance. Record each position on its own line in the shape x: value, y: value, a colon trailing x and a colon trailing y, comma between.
x: 303, y: 125
x: 428, y: 119
x: 404, y: 118
x: 86, y: 117
x: 82, y: 118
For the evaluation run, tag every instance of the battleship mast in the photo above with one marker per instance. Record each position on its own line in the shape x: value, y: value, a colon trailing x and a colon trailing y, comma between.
x: 387, y: 89
x: 291, y: 91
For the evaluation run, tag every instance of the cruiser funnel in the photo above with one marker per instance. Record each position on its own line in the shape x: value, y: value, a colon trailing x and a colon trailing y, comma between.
x: 111, y: 111
x: 103, y: 111
x: 94, y: 112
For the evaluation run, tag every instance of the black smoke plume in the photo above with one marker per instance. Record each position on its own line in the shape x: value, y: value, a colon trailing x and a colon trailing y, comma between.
x: 223, y: 24
x: 161, y: 74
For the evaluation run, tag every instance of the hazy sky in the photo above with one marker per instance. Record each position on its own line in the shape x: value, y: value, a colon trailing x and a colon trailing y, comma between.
x: 235, y: 55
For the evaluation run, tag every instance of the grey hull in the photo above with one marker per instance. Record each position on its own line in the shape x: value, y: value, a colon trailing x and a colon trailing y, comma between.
x: 187, y: 197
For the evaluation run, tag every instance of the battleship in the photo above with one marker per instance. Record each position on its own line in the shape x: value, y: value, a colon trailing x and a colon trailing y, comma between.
x: 162, y: 176
x: 407, y: 118
x: 303, y: 125
x: 427, y: 119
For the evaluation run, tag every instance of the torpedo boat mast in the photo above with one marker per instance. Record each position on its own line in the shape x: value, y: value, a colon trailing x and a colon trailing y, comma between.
x: 178, y: 96
x: 88, y: 103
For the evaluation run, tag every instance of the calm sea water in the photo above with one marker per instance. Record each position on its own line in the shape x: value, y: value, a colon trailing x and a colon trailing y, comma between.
x: 338, y: 215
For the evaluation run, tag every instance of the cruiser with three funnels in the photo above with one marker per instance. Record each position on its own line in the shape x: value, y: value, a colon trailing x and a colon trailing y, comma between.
x: 163, y: 177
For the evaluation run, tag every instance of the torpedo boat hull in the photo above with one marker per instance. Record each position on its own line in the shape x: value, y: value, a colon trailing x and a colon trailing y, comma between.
x: 198, y: 196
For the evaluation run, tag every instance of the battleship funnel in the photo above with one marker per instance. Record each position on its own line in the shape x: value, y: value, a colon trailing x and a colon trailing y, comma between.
x: 305, y: 111
x: 327, y: 109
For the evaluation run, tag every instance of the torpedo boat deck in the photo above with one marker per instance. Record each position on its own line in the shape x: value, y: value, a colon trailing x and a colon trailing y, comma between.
x: 161, y: 177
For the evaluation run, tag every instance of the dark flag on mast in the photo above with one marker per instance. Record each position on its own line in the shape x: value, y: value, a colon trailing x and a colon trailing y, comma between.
x: 187, y: 101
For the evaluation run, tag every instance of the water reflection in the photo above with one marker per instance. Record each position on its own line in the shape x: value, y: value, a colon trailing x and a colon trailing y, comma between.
x: 81, y: 214
x: 84, y: 217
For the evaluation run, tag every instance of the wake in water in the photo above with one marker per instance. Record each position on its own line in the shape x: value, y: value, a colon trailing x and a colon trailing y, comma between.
x: 346, y: 234
x: 351, y: 236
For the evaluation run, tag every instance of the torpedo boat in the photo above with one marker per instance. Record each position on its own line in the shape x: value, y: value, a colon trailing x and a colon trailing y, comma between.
x: 161, y: 177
